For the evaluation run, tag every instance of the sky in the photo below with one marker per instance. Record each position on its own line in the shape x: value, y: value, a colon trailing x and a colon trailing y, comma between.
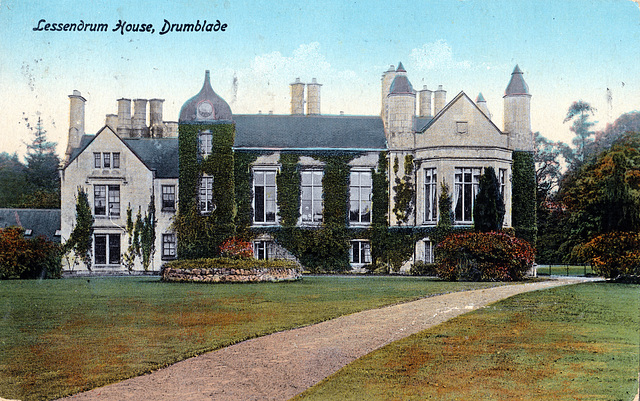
x: 568, y: 50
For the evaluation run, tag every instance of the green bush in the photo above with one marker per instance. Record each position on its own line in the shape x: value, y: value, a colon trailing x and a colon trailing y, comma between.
x: 614, y: 254
x: 421, y: 268
x: 22, y: 258
x: 492, y: 256
x: 227, y: 263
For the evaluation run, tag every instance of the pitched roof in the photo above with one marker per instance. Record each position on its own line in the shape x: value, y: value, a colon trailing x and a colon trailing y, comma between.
x: 159, y: 154
x: 446, y: 108
x: 40, y: 221
x: 517, y: 86
x: 309, y: 132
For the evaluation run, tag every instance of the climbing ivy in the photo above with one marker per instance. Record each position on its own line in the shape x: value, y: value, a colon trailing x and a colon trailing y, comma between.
x: 404, y: 197
x: 524, y: 196
x: 244, y: 192
x: 81, y: 238
x: 201, y: 235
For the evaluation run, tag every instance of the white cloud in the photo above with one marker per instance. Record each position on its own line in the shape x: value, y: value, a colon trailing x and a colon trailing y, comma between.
x: 437, y: 55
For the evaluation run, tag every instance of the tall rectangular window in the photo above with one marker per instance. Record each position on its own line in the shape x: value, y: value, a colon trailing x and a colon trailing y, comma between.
x: 205, y: 143
x: 264, y: 201
x: 106, y: 160
x: 430, y: 195
x: 360, y: 188
x: 311, y: 197
x: 360, y: 252
x: 428, y: 252
x: 465, y: 190
x: 116, y: 160
x: 168, y: 246
x: 502, y: 178
x: 205, y: 196
x: 168, y: 197
x: 97, y: 160
x: 107, y: 249
x: 114, y: 200
x: 106, y: 200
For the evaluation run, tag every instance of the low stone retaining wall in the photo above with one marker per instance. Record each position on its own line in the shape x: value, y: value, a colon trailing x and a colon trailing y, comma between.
x: 229, y: 275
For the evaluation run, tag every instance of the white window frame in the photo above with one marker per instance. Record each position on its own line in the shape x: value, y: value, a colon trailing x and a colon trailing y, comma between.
x: 205, y: 143
x: 111, y: 241
x: 502, y: 179
x: 313, y: 188
x: 360, y: 196
x: 110, y: 196
x: 261, y: 249
x: 430, y: 195
x: 169, y: 246
x: 205, y: 195
x: 170, y: 193
x: 360, y: 252
x: 262, y: 185
x: 464, y: 193
x: 429, y: 256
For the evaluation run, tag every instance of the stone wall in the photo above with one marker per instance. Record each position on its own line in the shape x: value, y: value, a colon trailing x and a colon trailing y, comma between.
x: 229, y: 275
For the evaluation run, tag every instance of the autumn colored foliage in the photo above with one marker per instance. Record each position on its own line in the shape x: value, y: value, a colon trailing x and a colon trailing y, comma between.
x: 614, y: 254
x: 492, y: 256
x: 27, y: 258
x: 235, y: 248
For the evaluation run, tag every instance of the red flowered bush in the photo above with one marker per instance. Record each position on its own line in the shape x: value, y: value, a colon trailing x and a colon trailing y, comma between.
x: 22, y: 258
x: 492, y: 256
x: 235, y: 248
x: 614, y: 254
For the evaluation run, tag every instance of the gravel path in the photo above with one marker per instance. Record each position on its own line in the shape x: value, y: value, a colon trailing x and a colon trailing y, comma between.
x: 281, y: 365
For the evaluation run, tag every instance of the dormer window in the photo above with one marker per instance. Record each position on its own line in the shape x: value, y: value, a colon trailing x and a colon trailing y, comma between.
x: 205, y: 143
x: 462, y: 127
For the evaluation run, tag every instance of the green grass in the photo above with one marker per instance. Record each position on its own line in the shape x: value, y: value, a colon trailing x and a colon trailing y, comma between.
x: 59, y: 337
x: 577, y: 342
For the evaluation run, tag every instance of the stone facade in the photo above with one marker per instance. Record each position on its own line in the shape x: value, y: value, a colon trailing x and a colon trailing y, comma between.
x: 227, y: 275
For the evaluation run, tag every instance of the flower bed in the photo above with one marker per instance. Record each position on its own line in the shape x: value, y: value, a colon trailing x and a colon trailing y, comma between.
x: 223, y: 270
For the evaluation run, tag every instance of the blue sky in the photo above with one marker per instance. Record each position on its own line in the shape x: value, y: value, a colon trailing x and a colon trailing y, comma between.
x: 568, y: 50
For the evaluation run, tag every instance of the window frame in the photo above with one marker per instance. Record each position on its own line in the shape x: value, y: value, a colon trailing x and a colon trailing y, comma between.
x: 110, y: 197
x: 430, y: 195
x: 264, y: 204
x: 261, y: 249
x: 363, y: 219
x: 169, y: 246
x: 206, y: 182
x: 168, y: 204
x: 363, y: 252
x: 107, y: 249
x: 315, y: 203
x: 205, y: 143
x: 463, y: 190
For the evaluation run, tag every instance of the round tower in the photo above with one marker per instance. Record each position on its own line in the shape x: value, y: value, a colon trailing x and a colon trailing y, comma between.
x: 387, y: 79
x: 297, y: 97
x: 401, y: 110
x: 517, y: 112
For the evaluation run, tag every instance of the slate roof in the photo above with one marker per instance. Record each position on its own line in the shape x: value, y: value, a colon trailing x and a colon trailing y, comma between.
x: 309, y: 132
x: 517, y: 86
x: 401, y: 84
x: 40, y: 221
x: 160, y: 155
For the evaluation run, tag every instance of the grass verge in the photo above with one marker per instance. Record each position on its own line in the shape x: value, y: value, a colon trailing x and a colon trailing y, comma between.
x: 577, y: 342
x: 59, y: 337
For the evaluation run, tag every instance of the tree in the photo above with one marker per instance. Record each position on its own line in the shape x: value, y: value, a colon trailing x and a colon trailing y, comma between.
x: 579, y: 113
x: 488, y: 209
x: 41, y: 173
x: 12, y: 179
x: 81, y: 239
x: 547, y: 156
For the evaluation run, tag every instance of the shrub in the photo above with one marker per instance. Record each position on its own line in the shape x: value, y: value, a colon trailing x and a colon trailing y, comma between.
x: 221, y: 263
x: 235, y: 248
x: 492, y: 256
x: 614, y: 254
x: 421, y: 268
x: 28, y: 258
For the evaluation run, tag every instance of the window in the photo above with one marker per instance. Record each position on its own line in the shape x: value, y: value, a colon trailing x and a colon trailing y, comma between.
x: 168, y: 246
x: 106, y: 160
x: 428, y: 251
x: 168, y: 197
x: 205, y: 143
x: 261, y: 249
x: 465, y: 190
x: 107, y: 249
x: 502, y: 178
x: 206, y: 195
x: 430, y: 195
x: 106, y: 200
x: 97, y: 160
x: 311, y: 197
x: 264, y: 200
x: 360, y: 197
x: 360, y: 252
x: 116, y: 160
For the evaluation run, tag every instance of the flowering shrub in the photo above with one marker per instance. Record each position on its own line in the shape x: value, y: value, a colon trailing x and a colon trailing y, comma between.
x: 492, y: 256
x: 614, y: 253
x: 27, y: 258
x: 235, y: 248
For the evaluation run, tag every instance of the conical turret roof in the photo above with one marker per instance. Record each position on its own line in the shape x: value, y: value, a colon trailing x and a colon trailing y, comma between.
x: 205, y: 106
x: 517, y: 86
x: 480, y: 98
x: 401, y: 83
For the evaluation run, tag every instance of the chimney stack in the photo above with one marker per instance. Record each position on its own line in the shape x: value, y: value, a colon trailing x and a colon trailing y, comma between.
x: 111, y: 121
x: 140, y: 129
x: 124, y: 118
x: 425, y: 102
x: 439, y: 100
x: 155, y: 118
x: 297, y: 97
x: 313, y: 97
x: 76, y: 122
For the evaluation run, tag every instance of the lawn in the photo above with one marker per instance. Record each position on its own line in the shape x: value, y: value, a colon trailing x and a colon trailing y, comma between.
x: 59, y: 337
x: 576, y: 342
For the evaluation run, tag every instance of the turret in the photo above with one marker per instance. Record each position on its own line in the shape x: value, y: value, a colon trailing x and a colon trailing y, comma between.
x: 517, y: 112
x: 401, y: 102
x: 482, y: 105
x: 387, y: 79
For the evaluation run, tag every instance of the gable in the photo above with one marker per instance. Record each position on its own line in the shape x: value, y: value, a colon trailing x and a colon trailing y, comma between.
x: 461, y: 123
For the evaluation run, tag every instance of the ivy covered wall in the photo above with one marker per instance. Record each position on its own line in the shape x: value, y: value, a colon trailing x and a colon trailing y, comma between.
x: 524, y: 196
x: 200, y: 235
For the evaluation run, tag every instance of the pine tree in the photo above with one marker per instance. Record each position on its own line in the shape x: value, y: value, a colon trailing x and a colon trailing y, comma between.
x: 42, y: 179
